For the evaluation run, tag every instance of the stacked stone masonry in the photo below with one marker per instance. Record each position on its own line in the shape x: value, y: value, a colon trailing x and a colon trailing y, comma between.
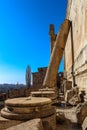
x: 76, y: 46
x: 38, y: 77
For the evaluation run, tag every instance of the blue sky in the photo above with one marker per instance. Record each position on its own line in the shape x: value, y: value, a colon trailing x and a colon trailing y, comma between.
x: 24, y: 35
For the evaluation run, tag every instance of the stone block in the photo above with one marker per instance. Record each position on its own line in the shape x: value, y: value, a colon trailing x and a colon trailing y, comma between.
x: 25, y: 109
x: 66, y: 114
x: 76, y: 46
x: 70, y: 93
x: 74, y: 100
x: 84, y: 125
x: 6, y: 123
x: 67, y: 85
x: 35, y: 124
x: 49, y: 123
x: 81, y: 112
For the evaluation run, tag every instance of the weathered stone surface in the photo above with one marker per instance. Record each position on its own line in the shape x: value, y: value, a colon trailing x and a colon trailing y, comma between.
x: 76, y: 46
x: 47, y: 89
x: 31, y: 115
x: 52, y: 36
x: 67, y: 85
x: 84, y: 125
x: 27, y: 108
x: 6, y: 123
x: 74, y: 100
x: 24, y: 109
x: 81, y: 112
x: 70, y: 93
x: 49, y: 123
x: 56, y: 56
x: 75, y: 12
x: 38, y: 77
x: 49, y: 94
x: 14, y: 93
x: 35, y: 124
x: 60, y: 117
x: 68, y: 113
x: 28, y: 102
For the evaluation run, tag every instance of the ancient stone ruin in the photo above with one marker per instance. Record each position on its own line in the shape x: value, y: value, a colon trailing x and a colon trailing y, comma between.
x: 56, y: 106
x: 24, y: 109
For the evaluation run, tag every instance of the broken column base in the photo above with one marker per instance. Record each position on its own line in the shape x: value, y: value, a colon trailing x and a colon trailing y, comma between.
x: 47, y: 123
x: 25, y: 109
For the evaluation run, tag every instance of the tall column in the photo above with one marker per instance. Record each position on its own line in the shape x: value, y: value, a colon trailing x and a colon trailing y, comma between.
x: 52, y: 36
x: 56, y: 56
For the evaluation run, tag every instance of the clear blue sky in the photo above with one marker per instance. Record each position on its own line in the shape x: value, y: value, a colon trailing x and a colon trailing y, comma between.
x: 24, y: 35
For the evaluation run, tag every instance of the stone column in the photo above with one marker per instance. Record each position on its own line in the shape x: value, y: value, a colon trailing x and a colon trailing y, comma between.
x: 52, y: 36
x: 56, y: 56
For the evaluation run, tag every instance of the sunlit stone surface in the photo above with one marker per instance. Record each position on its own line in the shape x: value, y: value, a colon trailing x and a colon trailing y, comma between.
x: 24, y: 109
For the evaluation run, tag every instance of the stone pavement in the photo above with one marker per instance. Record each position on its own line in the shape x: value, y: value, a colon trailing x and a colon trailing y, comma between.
x: 66, y: 119
x: 67, y: 125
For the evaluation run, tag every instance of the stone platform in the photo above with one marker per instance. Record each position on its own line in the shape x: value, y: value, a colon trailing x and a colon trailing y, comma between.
x: 43, y: 93
x: 47, y: 89
x: 24, y: 109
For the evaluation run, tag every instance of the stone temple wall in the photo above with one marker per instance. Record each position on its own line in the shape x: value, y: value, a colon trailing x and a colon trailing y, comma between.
x: 38, y: 78
x: 13, y: 93
x: 76, y: 46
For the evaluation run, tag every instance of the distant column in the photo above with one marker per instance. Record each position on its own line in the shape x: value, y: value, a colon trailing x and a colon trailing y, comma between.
x: 52, y: 36
x: 56, y: 56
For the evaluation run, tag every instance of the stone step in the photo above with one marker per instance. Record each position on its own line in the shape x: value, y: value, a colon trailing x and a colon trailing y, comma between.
x: 37, y: 114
